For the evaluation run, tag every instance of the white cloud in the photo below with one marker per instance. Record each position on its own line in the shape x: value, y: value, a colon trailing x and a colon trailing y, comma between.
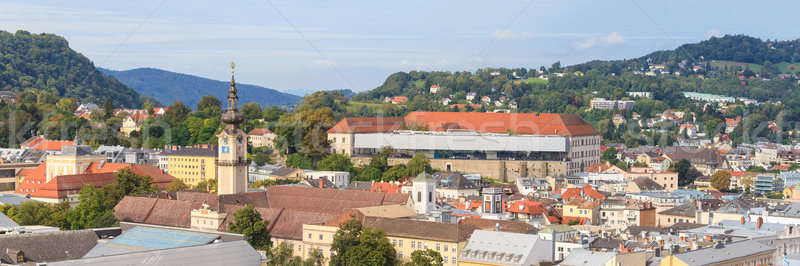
x: 502, y: 35
x: 713, y: 33
x: 611, y: 39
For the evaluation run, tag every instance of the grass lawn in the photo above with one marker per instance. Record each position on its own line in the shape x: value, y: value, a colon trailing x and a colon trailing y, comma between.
x: 419, y: 83
x: 733, y: 65
x: 534, y: 81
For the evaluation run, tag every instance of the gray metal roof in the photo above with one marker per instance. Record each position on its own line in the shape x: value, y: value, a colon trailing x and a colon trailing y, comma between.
x: 585, y: 257
x: 12, y: 199
x: 6, y: 222
x: 730, y: 251
x: 224, y: 253
x: 506, y: 248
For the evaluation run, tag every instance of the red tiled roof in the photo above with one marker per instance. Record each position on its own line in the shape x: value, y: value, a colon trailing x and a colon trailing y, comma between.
x: 327, y: 200
x: 575, y: 192
x: 367, y: 125
x: 41, y: 144
x: 567, y: 219
x: 528, y: 124
x: 527, y: 206
x: 783, y: 167
x: 259, y: 131
x: 388, y: 187
x: 34, y: 181
x: 599, y: 167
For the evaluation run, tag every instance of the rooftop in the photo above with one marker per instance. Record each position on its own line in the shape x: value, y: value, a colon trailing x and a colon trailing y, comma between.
x: 708, y: 256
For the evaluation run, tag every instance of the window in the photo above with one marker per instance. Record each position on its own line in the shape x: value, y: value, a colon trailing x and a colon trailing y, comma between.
x: 400, y: 254
x: 413, y: 244
x: 445, y: 259
x: 394, y: 243
x: 437, y: 247
x: 419, y: 199
x: 400, y: 243
x: 445, y: 247
x: 430, y: 196
x: 320, y: 236
x: 454, y: 260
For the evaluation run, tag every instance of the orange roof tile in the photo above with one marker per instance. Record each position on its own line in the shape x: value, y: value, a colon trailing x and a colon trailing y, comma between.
x: 575, y: 192
x: 259, y: 131
x: 527, y: 206
x: 528, y: 124
x: 367, y: 125
x: 388, y: 187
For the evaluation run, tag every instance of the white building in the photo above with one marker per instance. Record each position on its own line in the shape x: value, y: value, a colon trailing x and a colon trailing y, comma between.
x: 338, y: 178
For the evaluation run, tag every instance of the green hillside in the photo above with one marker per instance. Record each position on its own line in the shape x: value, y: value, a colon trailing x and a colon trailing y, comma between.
x: 44, y: 62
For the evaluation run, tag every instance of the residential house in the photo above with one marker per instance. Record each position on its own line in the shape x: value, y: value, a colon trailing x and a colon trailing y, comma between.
x: 668, y: 180
x: 261, y: 137
x: 642, y: 184
x: 686, y: 213
x: 452, y: 185
x: 287, y: 173
x: 707, y: 161
x: 339, y: 179
x: 585, y: 211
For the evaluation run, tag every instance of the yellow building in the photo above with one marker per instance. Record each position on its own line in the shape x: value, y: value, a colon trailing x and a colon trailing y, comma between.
x: 73, y: 160
x: 405, y: 235
x: 192, y: 165
x: 582, y: 208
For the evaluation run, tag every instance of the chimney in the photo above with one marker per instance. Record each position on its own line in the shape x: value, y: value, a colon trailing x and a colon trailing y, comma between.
x: 661, y: 244
x: 497, y: 227
x: 699, y: 205
x: 708, y: 238
x: 759, y: 223
x: 320, y: 183
x: 742, y: 219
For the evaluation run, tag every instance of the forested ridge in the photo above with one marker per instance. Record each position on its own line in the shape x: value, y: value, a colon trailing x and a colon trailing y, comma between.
x: 44, y: 62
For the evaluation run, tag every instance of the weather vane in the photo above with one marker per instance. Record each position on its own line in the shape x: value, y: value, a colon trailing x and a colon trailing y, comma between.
x: 233, y: 66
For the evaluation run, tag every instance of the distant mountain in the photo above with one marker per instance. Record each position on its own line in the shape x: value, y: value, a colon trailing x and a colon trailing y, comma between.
x: 168, y: 87
x: 45, y: 62
x: 727, y: 49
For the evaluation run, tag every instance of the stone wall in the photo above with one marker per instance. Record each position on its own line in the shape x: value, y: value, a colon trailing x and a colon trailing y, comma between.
x: 506, y: 171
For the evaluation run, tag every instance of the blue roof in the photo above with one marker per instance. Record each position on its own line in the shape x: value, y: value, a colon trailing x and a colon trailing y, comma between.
x: 149, y: 238
x: 162, y: 238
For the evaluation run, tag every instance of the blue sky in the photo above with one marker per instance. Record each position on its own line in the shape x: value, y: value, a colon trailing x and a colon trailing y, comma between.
x: 325, y: 44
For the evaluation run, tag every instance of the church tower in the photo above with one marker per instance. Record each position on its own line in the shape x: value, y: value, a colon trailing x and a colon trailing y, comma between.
x: 232, y: 152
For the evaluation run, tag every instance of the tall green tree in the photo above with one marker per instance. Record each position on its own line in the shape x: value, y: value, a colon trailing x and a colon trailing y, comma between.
x: 355, y: 245
x: 247, y: 221
x: 418, y: 164
x: 721, y: 180
x: 427, y: 257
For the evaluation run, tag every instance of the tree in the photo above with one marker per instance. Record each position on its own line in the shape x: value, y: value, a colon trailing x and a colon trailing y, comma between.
x: 94, y: 210
x: 418, y: 164
x: 148, y: 107
x: 66, y: 105
x: 131, y: 183
x: 247, y: 221
x: 176, y: 113
x: 335, y: 162
x: 426, y: 257
x: 356, y: 245
x: 610, y: 155
x: 261, y: 158
x: 176, y: 185
x: 299, y: 161
x: 721, y: 180
x: 206, y: 185
x: 108, y: 108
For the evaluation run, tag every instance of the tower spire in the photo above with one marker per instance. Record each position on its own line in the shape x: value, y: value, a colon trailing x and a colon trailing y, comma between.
x: 231, y: 116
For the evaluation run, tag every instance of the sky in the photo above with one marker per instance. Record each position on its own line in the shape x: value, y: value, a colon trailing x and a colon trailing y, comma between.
x: 343, y: 44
